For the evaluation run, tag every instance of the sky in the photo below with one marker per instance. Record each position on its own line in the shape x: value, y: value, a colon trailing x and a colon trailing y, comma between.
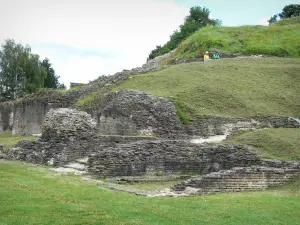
x: 87, y: 38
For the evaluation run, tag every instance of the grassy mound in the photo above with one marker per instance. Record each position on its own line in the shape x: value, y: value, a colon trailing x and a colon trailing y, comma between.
x: 268, y: 40
x: 34, y: 195
x: 229, y: 87
x: 293, y: 20
x: 10, y: 141
x: 272, y: 143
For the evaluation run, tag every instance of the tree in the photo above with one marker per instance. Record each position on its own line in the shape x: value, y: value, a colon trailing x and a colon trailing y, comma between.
x: 51, y: 80
x: 22, y: 72
x: 273, y: 19
x: 13, y: 61
x: 198, y: 18
x: 288, y: 11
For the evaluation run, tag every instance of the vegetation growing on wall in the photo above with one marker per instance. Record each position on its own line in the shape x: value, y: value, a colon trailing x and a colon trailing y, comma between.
x: 280, y: 143
x: 235, y: 87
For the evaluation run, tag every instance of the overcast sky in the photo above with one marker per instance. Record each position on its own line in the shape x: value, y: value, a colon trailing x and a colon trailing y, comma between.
x: 87, y: 38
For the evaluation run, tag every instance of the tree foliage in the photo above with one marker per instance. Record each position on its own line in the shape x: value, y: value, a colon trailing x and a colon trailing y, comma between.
x: 288, y: 11
x: 22, y: 72
x: 51, y: 79
x: 198, y: 18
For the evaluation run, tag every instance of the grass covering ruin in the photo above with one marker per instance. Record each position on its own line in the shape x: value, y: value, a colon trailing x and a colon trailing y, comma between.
x: 9, y: 141
x: 282, y: 41
x: 280, y: 143
x: 229, y: 87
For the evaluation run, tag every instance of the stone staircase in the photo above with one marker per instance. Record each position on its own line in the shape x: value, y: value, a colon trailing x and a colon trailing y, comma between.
x: 78, y: 167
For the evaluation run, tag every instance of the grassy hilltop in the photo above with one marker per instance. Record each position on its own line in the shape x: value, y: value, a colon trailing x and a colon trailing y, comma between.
x: 229, y: 87
x: 280, y: 39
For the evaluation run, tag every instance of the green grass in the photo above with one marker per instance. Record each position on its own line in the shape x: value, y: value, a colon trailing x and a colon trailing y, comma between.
x: 30, y: 195
x: 281, y: 143
x: 86, y: 102
x: 152, y: 186
x: 10, y: 141
x: 267, y: 40
x: 71, y: 89
x: 294, y: 20
x: 229, y: 87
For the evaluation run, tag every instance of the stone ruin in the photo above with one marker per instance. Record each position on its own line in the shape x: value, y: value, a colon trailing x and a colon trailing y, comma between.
x: 71, y: 136
x: 136, y: 113
x: 132, y: 133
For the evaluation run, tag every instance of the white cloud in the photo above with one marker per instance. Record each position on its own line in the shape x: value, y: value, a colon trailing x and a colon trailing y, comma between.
x: 130, y: 28
x: 264, y: 21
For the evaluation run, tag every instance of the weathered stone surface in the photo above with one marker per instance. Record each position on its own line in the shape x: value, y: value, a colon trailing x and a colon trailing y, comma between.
x: 140, y: 158
x: 136, y: 113
x: 30, y: 112
x: 29, y: 115
x: 213, y: 125
x: 67, y: 135
x: 6, y: 114
x: 238, y: 179
x: 67, y: 123
x: 2, y: 155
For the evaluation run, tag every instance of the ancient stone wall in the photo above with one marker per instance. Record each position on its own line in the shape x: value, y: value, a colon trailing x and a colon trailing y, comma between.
x: 212, y: 125
x: 136, y: 113
x: 238, y: 179
x: 6, y: 116
x: 29, y: 116
x: 67, y: 135
x: 29, y: 120
x: 146, y: 157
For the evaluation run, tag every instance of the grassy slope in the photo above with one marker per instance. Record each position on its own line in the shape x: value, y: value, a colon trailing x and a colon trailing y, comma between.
x: 10, y: 141
x: 32, y: 196
x: 268, y: 40
x: 293, y: 20
x: 229, y: 87
x: 282, y: 143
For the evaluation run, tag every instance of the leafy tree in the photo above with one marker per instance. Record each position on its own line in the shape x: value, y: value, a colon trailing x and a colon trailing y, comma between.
x: 51, y: 79
x: 198, y: 18
x: 22, y: 72
x: 273, y: 19
x: 288, y: 11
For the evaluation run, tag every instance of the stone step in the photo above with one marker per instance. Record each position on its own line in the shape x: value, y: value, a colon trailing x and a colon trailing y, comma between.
x: 69, y: 170
x: 82, y: 161
x: 76, y: 166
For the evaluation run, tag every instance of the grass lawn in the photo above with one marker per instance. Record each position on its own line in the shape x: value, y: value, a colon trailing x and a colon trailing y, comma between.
x: 10, y: 141
x: 281, y: 143
x: 229, y: 87
x: 268, y: 40
x: 34, y: 195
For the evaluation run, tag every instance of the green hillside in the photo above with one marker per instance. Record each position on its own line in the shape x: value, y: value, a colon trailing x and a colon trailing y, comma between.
x: 229, y: 87
x: 268, y: 40
x: 271, y: 143
x: 293, y: 20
